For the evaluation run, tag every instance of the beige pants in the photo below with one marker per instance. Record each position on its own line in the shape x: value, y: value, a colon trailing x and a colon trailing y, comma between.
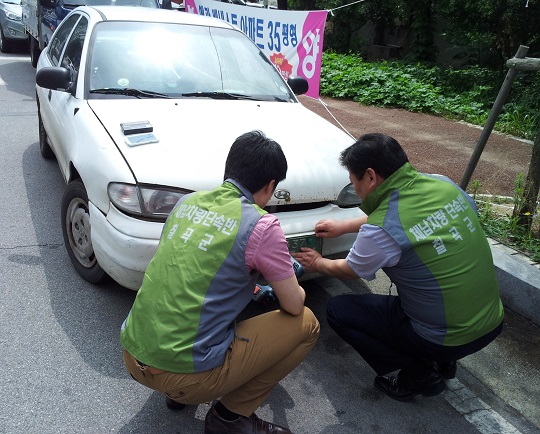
x: 265, y: 349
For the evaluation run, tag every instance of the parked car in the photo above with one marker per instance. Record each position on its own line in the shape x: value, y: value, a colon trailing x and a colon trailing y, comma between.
x: 11, y: 28
x: 140, y: 107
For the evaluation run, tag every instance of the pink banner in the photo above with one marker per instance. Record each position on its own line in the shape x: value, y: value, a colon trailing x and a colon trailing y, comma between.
x: 292, y: 40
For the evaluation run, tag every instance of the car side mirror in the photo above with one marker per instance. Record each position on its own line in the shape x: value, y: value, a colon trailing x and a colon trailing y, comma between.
x: 299, y: 85
x: 54, y: 78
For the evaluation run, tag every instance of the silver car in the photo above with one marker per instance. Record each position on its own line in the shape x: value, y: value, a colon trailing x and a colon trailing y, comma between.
x: 11, y: 28
x: 140, y: 106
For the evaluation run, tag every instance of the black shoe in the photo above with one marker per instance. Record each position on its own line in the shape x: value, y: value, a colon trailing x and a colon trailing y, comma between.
x: 405, y: 390
x: 174, y: 405
x: 214, y: 424
x: 447, y: 369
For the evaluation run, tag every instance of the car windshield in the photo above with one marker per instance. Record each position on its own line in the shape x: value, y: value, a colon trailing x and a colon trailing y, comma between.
x: 180, y: 61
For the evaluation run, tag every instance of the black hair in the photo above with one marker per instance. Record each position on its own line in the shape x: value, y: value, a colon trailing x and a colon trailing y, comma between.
x: 254, y: 160
x: 380, y: 152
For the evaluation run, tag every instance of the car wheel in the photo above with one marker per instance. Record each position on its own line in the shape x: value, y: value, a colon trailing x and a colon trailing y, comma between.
x: 44, y: 147
x: 4, y: 43
x: 77, y: 232
x: 34, y: 52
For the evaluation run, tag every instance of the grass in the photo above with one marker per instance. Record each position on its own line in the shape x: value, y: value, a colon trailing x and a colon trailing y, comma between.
x: 497, y: 218
x: 465, y: 94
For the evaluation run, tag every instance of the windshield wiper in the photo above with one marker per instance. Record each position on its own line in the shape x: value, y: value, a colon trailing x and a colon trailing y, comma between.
x: 219, y: 95
x: 130, y: 92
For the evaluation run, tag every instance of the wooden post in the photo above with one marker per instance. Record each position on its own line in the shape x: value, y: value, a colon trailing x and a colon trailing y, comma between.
x: 492, y: 118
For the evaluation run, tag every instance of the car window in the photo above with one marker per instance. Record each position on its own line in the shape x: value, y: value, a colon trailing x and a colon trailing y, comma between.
x: 178, y: 60
x: 72, y: 54
x: 59, y: 39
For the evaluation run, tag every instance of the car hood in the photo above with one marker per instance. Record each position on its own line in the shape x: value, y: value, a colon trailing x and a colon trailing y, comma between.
x: 195, y: 137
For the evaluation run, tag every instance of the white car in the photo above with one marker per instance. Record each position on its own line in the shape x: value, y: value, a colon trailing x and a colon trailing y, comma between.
x: 141, y: 106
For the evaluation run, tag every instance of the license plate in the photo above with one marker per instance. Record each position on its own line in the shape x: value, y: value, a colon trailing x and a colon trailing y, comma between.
x: 296, y: 243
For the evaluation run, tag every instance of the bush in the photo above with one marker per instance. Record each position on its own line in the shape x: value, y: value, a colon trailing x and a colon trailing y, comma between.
x: 466, y: 94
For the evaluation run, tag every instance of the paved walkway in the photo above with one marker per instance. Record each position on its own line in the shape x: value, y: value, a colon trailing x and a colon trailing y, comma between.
x: 434, y: 144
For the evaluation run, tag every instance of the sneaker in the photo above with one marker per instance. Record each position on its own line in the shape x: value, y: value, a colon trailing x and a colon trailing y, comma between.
x: 214, y: 424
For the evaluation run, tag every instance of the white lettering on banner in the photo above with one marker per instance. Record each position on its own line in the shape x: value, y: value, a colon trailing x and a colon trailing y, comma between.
x: 311, y: 45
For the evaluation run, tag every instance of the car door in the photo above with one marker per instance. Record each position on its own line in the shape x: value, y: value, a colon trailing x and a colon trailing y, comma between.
x: 59, y: 108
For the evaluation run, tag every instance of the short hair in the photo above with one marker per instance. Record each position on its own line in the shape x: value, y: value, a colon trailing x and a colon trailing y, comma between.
x: 378, y: 151
x: 254, y: 160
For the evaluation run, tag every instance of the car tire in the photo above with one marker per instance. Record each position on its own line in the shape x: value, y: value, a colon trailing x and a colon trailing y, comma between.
x: 34, y: 52
x: 44, y: 147
x: 77, y: 232
x: 5, y: 45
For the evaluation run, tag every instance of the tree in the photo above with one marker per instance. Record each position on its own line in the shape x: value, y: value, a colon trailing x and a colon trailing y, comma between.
x: 525, y: 209
x: 423, y: 43
x: 502, y: 25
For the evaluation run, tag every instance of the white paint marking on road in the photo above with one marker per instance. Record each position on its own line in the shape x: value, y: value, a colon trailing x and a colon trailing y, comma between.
x: 473, y: 409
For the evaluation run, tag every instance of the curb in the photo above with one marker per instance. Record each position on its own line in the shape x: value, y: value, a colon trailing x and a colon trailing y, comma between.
x: 519, y: 280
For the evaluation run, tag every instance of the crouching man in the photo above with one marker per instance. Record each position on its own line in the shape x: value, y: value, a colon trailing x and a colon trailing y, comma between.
x: 181, y: 336
x: 423, y: 232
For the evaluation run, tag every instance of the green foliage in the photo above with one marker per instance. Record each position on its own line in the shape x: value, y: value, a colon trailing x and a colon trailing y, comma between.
x: 498, y: 222
x: 466, y: 95
x: 501, y: 24
x: 492, y: 28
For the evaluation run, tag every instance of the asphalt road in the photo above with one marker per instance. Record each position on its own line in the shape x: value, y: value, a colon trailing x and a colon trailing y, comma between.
x: 60, y: 356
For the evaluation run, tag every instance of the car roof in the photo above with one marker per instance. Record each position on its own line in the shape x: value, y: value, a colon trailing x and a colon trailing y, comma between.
x: 142, y: 14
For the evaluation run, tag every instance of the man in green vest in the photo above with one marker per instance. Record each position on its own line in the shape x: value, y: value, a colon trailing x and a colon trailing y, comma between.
x: 424, y: 233
x: 181, y: 336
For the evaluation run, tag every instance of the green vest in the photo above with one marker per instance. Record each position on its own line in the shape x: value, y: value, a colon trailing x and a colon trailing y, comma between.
x: 445, y: 278
x: 197, y: 283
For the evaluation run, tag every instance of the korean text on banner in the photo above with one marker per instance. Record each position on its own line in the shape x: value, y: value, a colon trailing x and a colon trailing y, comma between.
x: 292, y: 40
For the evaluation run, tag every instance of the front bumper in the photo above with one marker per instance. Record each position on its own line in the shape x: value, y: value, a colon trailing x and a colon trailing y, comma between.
x: 15, y: 31
x: 124, y: 245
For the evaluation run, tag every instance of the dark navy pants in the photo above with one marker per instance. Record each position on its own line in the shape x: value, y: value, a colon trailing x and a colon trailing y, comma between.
x: 378, y: 329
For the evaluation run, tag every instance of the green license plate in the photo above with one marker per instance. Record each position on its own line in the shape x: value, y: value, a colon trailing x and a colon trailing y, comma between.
x: 311, y: 241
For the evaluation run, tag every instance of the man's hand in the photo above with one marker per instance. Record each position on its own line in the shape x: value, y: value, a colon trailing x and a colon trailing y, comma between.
x: 335, y: 228
x: 329, y: 229
x: 308, y: 258
x: 313, y: 262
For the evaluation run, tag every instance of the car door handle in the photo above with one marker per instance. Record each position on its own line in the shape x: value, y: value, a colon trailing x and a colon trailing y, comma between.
x: 50, y: 94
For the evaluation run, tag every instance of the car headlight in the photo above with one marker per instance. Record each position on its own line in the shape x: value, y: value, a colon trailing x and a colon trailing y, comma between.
x: 156, y: 203
x: 13, y: 16
x: 347, y: 197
